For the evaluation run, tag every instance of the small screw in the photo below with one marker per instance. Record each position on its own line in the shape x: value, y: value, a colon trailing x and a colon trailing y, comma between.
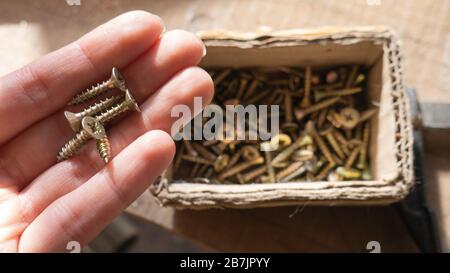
x: 221, y: 162
x: 250, y: 152
x: 348, y: 173
x: 350, y: 117
x: 352, y: 157
x: 115, y: 81
x: 196, y: 159
x: 362, y: 161
x: 254, y: 174
x: 328, y: 133
x: 319, y: 95
x: 288, y: 170
x: 306, y: 102
x: 128, y: 104
x: 301, y: 113
x: 74, y: 119
x: 97, y: 131
x: 240, y: 167
x: 268, y: 147
x: 311, y: 130
x: 204, y: 152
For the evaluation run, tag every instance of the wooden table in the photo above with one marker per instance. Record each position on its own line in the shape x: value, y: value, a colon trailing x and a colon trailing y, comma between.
x: 32, y: 28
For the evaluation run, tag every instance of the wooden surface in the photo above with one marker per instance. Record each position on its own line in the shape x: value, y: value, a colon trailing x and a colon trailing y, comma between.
x: 29, y: 29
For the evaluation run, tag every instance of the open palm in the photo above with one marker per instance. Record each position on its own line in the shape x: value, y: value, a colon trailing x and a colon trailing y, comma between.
x: 44, y: 205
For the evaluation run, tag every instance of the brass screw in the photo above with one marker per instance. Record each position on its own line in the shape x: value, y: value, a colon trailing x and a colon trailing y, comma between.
x: 311, y: 130
x: 289, y: 150
x: 362, y: 162
x: 204, y: 152
x: 301, y: 113
x: 250, y: 152
x: 352, y: 157
x: 190, y: 150
x: 196, y: 159
x: 254, y: 174
x: 319, y: 95
x: 73, y: 145
x: 289, y: 170
x: 97, y: 131
x: 240, y: 167
x: 349, y: 117
x: 288, y: 125
x: 306, y: 102
x: 331, y: 77
x: 115, y: 81
x: 74, y: 119
x: 128, y: 104
x: 267, y: 147
x: 221, y: 162
x: 328, y: 133
x: 325, y: 171
x: 348, y: 173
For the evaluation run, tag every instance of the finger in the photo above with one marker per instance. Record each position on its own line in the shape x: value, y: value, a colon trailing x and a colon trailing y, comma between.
x: 83, y: 213
x: 175, y: 51
x: 189, y: 83
x: 44, y: 86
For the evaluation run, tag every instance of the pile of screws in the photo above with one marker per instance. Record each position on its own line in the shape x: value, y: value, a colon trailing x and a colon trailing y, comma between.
x: 90, y: 123
x: 324, y: 134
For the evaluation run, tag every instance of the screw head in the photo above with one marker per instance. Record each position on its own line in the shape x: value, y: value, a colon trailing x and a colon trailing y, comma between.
x: 93, y: 127
x: 118, y: 80
x: 73, y: 120
x: 131, y: 102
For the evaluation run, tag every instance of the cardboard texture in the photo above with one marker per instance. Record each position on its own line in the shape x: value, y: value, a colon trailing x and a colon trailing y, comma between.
x: 377, y: 49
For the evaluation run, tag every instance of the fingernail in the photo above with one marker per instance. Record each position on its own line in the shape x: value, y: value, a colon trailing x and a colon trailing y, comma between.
x: 204, y: 51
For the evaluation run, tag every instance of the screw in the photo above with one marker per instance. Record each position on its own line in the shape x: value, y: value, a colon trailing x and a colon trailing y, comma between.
x: 254, y: 174
x: 301, y: 113
x: 221, y: 162
x: 115, y: 81
x: 250, y: 152
x: 74, y: 119
x: 366, y: 115
x: 349, y: 117
x: 311, y: 130
x: 128, y: 104
x: 289, y: 150
x: 97, y: 131
x: 288, y: 124
x: 325, y: 171
x: 196, y: 159
x: 301, y: 170
x: 204, y: 152
x: 242, y: 86
x: 319, y: 95
x: 306, y: 102
x: 328, y: 133
x: 352, y: 77
x: 352, y: 157
x: 348, y: 173
x: 240, y: 167
x: 268, y: 147
x: 288, y: 170
x: 362, y: 163
x: 217, y: 80
x: 73, y: 145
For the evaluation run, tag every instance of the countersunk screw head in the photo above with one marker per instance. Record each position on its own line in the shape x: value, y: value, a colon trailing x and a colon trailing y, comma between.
x: 131, y: 102
x: 118, y: 80
x: 93, y: 127
x: 73, y: 120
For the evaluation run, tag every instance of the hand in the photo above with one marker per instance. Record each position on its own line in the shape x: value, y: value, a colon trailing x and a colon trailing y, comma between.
x: 44, y: 205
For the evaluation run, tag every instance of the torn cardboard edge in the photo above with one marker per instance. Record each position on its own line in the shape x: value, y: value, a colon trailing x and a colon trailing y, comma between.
x: 388, y: 188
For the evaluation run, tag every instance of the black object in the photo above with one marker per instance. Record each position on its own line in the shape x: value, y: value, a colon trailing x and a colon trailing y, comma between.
x: 417, y: 216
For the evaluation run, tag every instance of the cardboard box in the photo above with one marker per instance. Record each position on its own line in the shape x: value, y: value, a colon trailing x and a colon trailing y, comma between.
x: 375, y: 48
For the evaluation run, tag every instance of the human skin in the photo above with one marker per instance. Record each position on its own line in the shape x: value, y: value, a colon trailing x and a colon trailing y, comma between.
x: 44, y: 204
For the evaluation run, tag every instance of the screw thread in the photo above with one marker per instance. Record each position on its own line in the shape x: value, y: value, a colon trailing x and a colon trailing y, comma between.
x: 92, y: 92
x: 72, y: 147
x: 100, y: 106
x: 104, y: 149
x: 112, y: 112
